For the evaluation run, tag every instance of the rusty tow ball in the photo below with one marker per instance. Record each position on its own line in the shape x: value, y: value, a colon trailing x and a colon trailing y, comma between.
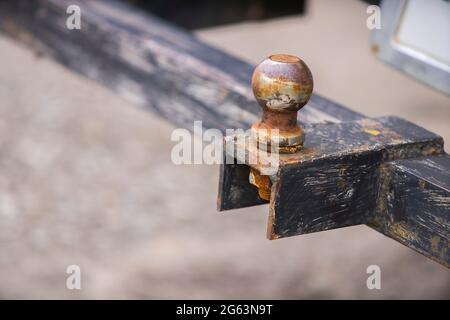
x: 282, y: 85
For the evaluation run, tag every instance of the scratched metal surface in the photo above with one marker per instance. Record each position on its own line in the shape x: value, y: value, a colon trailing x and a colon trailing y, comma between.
x: 416, y: 205
x: 142, y: 56
x: 338, y: 180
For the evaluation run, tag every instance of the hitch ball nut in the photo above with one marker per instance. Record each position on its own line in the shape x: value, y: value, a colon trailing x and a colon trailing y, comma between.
x: 282, y: 85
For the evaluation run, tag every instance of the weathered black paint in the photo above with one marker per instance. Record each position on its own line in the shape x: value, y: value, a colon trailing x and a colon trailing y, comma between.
x: 415, y: 207
x: 149, y: 62
x: 330, y: 193
x: 235, y: 191
x: 339, y: 179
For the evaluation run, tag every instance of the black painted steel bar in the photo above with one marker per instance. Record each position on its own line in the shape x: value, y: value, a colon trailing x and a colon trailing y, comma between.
x: 141, y: 57
x: 414, y: 208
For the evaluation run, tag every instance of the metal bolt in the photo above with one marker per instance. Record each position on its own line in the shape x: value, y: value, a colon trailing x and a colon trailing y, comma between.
x: 282, y: 85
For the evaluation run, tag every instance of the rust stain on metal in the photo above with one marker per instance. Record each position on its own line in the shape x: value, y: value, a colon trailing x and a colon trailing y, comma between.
x: 271, y: 235
x: 282, y: 85
x: 421, y: 185
x: 435, y: 244
x: 400, y: 231
x: 261, y: 182
x: 384, y: 192
x: 285, y: 58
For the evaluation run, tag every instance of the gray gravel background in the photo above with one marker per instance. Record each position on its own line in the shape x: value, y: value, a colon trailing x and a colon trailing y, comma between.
x: 86, y: 179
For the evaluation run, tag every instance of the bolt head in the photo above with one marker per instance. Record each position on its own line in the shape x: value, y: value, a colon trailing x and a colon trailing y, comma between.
x: 282, y: 83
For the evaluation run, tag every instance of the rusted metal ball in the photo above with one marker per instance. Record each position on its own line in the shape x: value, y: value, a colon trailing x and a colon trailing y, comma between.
x: 282, y: 83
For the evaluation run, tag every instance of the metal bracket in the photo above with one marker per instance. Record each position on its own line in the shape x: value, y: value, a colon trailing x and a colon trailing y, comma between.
x: 343, y: 176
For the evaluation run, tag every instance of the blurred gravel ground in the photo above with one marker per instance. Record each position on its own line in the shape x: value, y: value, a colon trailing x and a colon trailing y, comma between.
x: 86, y: 179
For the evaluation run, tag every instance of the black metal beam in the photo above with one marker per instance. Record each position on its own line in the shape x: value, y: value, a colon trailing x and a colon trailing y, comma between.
x: 141, y: 57
x: 414, y: 208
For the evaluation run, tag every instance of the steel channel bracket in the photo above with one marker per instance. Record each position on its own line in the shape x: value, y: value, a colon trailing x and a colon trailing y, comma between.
x: 343, y: 176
